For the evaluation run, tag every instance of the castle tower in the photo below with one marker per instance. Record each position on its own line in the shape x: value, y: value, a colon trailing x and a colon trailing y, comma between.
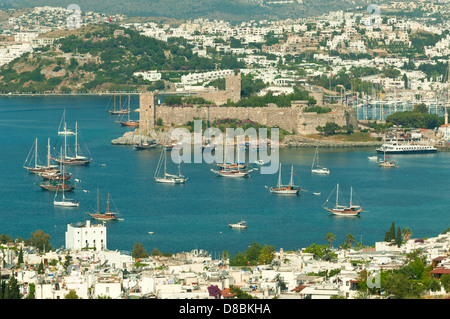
x: 233, y: 87
x: 147, y: 111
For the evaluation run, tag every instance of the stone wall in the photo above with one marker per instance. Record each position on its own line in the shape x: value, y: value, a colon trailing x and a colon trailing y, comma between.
x: 292, y: 119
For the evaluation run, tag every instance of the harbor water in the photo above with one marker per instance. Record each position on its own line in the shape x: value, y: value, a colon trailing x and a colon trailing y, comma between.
x: 196, y: 215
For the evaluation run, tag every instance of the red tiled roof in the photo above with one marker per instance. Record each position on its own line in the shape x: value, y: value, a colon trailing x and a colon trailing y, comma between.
x: 226, y: 293
x: 440, y: 271
x: 299, y: 288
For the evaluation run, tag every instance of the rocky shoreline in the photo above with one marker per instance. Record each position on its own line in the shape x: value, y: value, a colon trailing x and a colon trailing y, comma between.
x: 293, y: 141
x: 129, y: 138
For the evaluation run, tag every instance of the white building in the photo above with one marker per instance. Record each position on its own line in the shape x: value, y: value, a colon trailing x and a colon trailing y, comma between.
x: 194, y: 78
x: 85, y: 235
x: 152, y: 75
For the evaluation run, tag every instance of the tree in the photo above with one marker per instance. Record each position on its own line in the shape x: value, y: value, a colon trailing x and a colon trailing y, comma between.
x: 445, y: 282
x: 20, y: 258
x: 39, y: 240
x: 405, y: 80
x: 214, y: 291
x: 406, y: 233
x: 71, y: 295
x: 350, y: 239
x: 11, y: 290
x: 390, y: 235
x: 398, y: 239
x: 330, y: 237
x: 139, y: 251
x: 266, y: 255
x: 420, y: 108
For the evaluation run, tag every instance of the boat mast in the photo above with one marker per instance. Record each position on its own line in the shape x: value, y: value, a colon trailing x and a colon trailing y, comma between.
x: 36, y: 153
x: 98, y: 210
x: 48, y: 153
x: 279, y: 177
x: 351, y: 196
x: 337, y: 195
x: 291, y: 183
x: 76, y: 139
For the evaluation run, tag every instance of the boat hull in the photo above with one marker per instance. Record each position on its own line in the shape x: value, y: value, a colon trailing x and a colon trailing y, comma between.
x: 320, y: 171
x: 144, y: 146
x: 170, y: 180
x: 103, y: 217
x: 424, y: 151
x: 231, y: 173
x: 66, y: 204
x: 284, y: 191
x: 79, y: 162
x: 344, y: 212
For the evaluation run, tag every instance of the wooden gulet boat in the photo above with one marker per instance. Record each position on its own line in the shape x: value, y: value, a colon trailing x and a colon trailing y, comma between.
x: 350, y: 210
x: 37, y: 168
x: 289, y: 189
x: 120, y: 111
x: 106, y: 216
x: 128, y: 122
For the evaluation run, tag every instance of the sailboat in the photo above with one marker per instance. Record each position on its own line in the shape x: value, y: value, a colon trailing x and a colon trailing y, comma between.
x: 120, y: 110
x: 128, y: 122
x: 350, y: 210
x: 233, y: 170
x: 108, y: 215
x: 76, y: 159
x: 290, y: 189
x: 387, y: 162
x: 316, y: 168
x: 166, y: 177
x: 64, y: 202
x: 65, y: 130
x: 37, y: 168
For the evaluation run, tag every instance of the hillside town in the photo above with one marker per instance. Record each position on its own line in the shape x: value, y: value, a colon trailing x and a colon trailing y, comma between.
x: 87, y: 269
x: 368, y: 55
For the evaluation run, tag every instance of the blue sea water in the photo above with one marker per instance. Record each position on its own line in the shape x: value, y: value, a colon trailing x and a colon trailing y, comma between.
x: 196, y: 215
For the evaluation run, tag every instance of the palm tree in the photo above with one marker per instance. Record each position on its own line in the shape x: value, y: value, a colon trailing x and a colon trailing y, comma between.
x: 406, y: 233
x: 330, y: 237
x: 350, y: 239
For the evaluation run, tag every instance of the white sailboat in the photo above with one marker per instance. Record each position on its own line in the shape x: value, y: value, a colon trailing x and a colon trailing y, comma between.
x: 316, y: 168
x: 349, y: 210
x: 64, y: 202
x: 290, y: 189
x: 76, y: 159
x: 35, y: 167
x: 65, y: 130
x: 166, y: 177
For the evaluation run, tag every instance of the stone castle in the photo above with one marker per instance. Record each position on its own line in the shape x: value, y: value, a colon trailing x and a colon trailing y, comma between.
x: 293, y: 119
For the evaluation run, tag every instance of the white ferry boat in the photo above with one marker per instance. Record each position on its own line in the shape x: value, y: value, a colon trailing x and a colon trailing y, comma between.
x: 394, y: 147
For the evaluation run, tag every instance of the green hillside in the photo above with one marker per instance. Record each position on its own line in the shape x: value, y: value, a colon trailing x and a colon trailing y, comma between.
x: 231, y: 10
x: 96, y: 60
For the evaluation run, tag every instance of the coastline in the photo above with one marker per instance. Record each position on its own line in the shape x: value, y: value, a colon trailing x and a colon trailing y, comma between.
x: 291, y: 141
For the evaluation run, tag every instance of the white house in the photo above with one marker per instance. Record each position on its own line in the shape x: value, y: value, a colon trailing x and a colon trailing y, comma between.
x: 151, y: 76
x: 86, y: 235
